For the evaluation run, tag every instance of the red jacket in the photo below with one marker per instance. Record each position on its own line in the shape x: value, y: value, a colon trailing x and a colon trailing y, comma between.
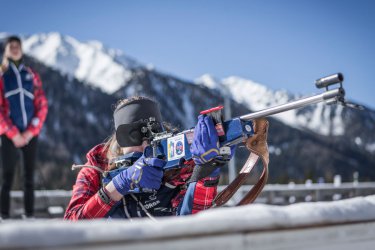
x: 86, y: 203
x: 7, y: 126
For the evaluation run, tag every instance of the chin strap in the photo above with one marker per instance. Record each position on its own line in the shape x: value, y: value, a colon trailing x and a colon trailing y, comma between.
x: 257, y: 145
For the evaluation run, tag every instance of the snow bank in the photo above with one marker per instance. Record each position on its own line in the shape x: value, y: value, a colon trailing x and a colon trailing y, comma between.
x: 251, y: 218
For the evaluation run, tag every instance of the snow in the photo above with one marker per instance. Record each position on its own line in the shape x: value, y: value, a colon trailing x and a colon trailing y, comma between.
x: 91, y: 118
x: 358, y: 141
x: 209, y: 81
x: 92, y: 62
x: 3, y: 35
x: 188, y: 110
x: 318, y: 116
x: 109, y: 69
x: 274, y: 150
x: 370, y: 147
x: 256, y: 96
x: 337, y: 122
x: 256, y: 217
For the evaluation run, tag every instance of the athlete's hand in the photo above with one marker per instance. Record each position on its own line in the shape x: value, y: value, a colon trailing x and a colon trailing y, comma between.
x: 27, y: 136
x: 19, y: 141
x: 145, y: 173
x: 5, y: 62
x: 205, y: 146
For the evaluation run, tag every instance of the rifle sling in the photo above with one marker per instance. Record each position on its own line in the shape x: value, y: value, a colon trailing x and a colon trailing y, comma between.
x: 257, y: 146
x: 257, y: 188
x: 233, y: 187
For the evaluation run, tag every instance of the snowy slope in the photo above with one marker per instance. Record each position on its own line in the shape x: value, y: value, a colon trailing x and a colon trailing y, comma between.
x: 90, y: 62
x: 221, y: 222
x: 257, y: 97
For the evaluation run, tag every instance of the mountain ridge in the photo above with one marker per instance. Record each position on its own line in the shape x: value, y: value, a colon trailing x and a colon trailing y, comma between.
x: 112, y: 75
x: 81, y: 116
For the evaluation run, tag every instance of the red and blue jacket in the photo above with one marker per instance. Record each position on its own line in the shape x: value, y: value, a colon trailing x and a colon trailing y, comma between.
x: 23, y: 105
x: 173, y: 198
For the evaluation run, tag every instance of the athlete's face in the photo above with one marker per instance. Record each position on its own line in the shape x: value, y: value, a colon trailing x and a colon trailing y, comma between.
x: 140, y: 148
x: 14, y: 50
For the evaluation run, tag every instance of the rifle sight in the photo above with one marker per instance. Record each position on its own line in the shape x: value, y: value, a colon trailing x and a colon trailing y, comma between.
x: 329, y: 80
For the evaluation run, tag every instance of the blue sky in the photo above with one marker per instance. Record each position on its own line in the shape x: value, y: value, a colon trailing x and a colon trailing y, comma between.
x: 281, y: 44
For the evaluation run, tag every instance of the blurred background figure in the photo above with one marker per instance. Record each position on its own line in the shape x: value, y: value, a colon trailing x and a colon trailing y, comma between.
x: 23, y: 110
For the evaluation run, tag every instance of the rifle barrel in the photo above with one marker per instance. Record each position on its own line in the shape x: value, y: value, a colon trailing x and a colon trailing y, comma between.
x: 328, y: 95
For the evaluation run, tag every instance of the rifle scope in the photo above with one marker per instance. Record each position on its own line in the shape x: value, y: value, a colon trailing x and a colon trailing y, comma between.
x: 329, y: 80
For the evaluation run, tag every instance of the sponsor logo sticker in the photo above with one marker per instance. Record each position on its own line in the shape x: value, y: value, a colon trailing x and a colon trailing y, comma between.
x: 176, y: 148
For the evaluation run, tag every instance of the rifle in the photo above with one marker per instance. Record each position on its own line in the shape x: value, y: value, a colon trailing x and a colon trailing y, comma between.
x: 175, y: 147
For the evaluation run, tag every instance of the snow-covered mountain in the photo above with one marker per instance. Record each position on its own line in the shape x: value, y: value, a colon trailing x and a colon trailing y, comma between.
x: 257, y: 97
x: 91, y: 62
x: 111, y: 69
x: 315, y: 141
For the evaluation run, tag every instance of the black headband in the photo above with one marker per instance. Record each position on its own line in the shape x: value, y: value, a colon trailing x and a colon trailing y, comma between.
x: 131, y: 117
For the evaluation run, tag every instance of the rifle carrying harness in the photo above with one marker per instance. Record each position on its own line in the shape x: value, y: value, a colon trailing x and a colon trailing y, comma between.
x: 257, y: 145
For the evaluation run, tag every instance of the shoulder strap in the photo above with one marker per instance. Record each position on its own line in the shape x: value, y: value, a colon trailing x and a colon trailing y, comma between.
x: 257, y: 145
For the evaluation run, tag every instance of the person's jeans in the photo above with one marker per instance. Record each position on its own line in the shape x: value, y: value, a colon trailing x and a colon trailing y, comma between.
x: 9, y: 158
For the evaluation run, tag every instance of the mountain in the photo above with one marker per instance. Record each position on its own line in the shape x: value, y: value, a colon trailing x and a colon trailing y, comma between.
x: 88, y: 62
x: 257, y: 97
x: 296, y: 153
x: 83, y: 79
x: 110, y: 69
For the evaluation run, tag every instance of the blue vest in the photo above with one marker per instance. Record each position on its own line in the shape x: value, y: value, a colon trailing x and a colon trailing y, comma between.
x: 19, y: 91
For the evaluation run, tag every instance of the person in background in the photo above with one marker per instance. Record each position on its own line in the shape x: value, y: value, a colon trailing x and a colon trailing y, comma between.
x: 23, y: 110
x: 181, y: 191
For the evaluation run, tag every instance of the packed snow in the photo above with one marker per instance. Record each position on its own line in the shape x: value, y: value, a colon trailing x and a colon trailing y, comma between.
x: 250, y: 218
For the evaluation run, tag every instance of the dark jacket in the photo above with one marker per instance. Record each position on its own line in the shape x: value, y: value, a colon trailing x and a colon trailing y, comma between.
x: 171, y: 199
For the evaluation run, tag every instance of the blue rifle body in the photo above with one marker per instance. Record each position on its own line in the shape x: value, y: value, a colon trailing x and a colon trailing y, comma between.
x: 175, y: 147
